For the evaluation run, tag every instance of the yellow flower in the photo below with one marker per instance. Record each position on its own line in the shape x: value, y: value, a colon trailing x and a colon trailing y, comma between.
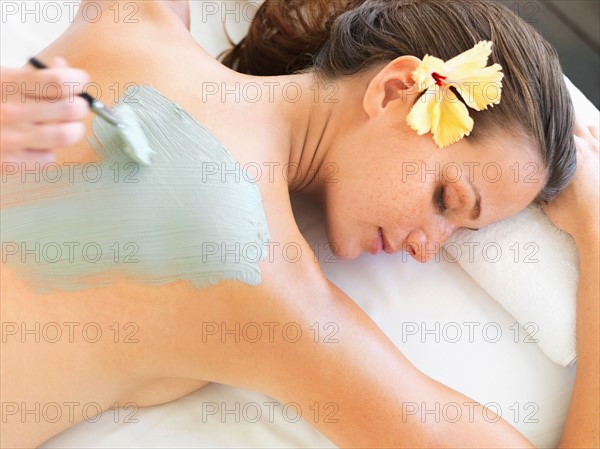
x: 439, y: 110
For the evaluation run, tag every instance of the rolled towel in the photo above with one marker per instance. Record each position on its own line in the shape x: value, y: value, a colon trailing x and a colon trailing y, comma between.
x: 532, y: 269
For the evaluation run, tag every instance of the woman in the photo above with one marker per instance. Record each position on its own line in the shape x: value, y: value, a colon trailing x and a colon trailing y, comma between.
x: 360, y: 143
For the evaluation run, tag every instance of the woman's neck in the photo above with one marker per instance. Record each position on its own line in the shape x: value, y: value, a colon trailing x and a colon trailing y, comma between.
x: 312, y: 124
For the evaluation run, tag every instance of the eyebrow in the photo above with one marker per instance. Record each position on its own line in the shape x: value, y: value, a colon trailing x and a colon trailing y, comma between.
x: 476, y: 211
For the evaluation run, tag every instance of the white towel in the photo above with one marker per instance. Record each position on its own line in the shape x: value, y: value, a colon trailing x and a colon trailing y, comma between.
x: 531, y: 268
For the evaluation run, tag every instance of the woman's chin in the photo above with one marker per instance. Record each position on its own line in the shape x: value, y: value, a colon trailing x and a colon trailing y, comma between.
x: 342, y: 242
x: 344, y: 251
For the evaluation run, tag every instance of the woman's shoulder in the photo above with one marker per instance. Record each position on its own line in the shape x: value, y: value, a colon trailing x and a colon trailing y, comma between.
x: 133, y: 41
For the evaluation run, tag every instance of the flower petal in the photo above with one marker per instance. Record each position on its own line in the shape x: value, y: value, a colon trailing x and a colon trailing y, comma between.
x: 483, y: 88
x: 422, y: 75
x: 451, y: 120
x: 421, y: 115
x: 465, y: 64
x: 439, y: 110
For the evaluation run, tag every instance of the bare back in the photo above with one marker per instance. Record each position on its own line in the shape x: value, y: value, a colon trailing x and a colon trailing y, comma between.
x: 167, y: 319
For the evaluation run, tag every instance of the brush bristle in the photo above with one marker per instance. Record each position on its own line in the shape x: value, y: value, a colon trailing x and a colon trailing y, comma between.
x: 136, y: 143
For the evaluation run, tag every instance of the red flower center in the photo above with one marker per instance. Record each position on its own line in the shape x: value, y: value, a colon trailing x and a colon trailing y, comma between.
x: 439, y: 79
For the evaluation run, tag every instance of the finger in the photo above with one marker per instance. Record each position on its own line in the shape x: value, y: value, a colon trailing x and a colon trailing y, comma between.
x: 31, y: 111
x: 52, y: 83
x: 581, y: 144
x: 587, y: 150
x: 34, y: 156
x: 594, y: 131
x: 549, y: 208
x: 580, y: 129
x: 29, y: 160
x: 10, y: 141
x: 53, y: 135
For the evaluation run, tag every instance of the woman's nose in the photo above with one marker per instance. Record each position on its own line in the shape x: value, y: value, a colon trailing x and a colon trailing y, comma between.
x: 424, y: 246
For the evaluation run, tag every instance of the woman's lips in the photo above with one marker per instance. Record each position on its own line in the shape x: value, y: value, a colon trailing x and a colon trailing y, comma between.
x: 381, y: 243
x: 378, y: 243
x: 387, y: 247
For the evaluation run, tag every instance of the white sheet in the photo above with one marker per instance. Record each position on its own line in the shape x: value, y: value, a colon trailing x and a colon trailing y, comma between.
x: 402, y: 296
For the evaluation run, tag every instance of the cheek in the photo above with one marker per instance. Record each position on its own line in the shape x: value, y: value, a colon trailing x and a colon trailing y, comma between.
x: 410, y: 202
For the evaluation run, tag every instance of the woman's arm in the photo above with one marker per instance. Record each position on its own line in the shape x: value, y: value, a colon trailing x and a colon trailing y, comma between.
x: 349, y: 381
x: 576, y: 211
x: 582, y: 429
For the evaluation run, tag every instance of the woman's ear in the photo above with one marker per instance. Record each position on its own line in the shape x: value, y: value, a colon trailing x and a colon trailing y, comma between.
x: 394, y: 82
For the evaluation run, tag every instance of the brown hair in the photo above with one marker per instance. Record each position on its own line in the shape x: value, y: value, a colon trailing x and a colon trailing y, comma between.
x: 338, y: 38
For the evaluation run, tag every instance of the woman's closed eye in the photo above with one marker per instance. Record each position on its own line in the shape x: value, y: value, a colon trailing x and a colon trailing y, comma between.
x: 439, y: 199
x: 445, y: 200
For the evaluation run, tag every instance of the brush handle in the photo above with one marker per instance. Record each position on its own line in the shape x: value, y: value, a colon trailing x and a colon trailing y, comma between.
x: 96, y: 105
x: 40, y: 65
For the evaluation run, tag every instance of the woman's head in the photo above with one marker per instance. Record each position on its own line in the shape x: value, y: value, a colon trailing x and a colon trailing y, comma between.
x: 372, y: 39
